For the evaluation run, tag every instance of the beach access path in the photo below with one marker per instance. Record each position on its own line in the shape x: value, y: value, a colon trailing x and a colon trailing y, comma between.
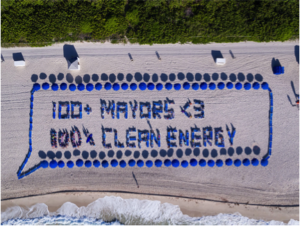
x: 276, y: 184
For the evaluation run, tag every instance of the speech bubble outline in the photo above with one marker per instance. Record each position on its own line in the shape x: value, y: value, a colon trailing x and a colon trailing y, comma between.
x: 22, y: 174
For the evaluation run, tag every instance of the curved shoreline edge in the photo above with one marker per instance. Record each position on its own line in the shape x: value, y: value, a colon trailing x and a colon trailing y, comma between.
x: 190, y: 206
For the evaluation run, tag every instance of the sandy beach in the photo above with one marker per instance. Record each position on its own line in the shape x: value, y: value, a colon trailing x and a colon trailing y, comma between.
x: 190, y: 207
x: 276, y: 185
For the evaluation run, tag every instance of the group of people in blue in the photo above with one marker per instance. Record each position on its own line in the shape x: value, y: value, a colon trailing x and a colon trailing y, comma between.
x: 149, y: 163
x: 20, y: 174
x: 265, y: 159
x: 159, y: 86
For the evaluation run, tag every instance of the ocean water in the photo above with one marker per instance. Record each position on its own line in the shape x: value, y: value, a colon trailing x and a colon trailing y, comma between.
x: 112, y: 210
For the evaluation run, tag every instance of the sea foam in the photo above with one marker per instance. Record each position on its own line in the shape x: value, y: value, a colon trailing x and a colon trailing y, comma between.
x: 112, y: 210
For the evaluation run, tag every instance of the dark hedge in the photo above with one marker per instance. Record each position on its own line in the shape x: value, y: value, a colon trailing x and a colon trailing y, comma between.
x: 43, y: 22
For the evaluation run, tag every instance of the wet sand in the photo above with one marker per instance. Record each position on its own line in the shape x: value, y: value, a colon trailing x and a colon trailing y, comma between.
x: 190, y: 207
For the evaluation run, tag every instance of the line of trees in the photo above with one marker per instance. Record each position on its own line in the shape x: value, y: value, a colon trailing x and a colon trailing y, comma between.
x: 43, y: 22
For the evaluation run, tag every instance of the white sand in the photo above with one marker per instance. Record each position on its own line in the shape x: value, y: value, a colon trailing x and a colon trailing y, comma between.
x: 276, y: 184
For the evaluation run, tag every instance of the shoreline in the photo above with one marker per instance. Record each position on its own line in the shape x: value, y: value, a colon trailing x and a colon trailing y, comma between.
x: 148, y: 194
x: 188, y: 206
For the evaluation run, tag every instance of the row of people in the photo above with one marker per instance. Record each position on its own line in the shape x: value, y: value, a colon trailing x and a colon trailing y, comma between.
x: 270, y: 122
x: 149, y: 163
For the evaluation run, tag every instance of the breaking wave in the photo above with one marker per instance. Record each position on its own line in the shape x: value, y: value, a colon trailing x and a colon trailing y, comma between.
x: 112, y: 210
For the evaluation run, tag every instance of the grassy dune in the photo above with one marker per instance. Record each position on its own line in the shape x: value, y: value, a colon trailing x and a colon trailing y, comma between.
x: 43, y: 22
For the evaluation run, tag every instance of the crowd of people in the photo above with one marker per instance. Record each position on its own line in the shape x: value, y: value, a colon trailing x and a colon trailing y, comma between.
x: 63, y: 138
x: 133, y: 108
x: 232, y: 134
x: 184, y: 139
x: 117, y: 142
x: 185, y: 107
x: 156, y: 110
x: 170, y: 137
x: 111, y: 108
x: 207, y: 136
x: 171, y: 112
x: 219, y: 138
x: 88, y: 109
x: 155, y: 138
x: 54, y: 110
x: 122, y: 108
x: 64, y: 116
x: 130, y: 138
x: 104, y: 131
x: 75, y: 131
x: 67, y: 106
x: 78, y: 116
x: 195, y: 138
x: 148, y: 106
x: 199, y: 109
x: 53, y: 138
x: 145, y: 137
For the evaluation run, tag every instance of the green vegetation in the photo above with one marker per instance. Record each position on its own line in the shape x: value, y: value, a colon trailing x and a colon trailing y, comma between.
x: 43, y: 22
